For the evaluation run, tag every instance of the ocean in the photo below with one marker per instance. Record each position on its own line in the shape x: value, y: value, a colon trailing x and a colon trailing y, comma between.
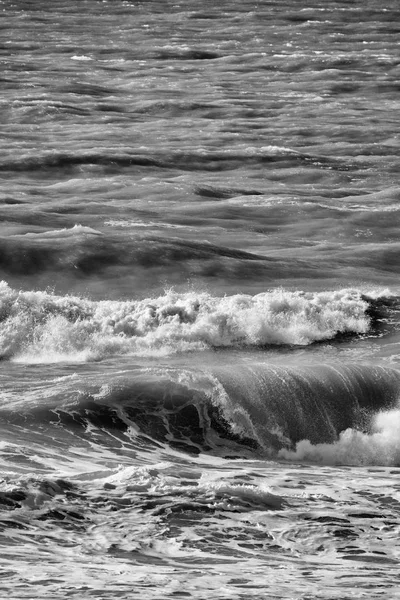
x: 199, y: 299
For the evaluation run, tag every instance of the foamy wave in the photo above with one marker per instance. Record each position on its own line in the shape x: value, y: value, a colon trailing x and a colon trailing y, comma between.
x: 40, y: 326
x: 380, y: 447
x: 158, y: 479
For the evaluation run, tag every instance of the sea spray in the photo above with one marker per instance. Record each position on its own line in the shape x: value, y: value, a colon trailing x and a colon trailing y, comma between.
x: 381, y: 446
x: 43, y: 327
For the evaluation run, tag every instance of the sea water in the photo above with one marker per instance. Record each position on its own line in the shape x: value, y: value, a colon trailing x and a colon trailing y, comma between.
x: 199, y: 306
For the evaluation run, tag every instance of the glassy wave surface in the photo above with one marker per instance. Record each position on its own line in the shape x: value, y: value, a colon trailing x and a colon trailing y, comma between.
x: 199, y: 299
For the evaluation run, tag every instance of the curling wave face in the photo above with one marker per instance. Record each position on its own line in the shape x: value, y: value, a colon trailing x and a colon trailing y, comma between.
x: 43, y: 327
x: 257, y: 410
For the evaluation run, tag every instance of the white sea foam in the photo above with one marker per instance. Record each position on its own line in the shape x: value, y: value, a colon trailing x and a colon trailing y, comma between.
x: 82, y: 57
x: 129, y: 223
x: 65, y: 232
x: 380, y: 447
x: 158, y: 479
x: 42, y: 327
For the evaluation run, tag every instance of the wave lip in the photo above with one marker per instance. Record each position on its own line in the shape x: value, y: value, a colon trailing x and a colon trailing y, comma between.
x: 42, y: 327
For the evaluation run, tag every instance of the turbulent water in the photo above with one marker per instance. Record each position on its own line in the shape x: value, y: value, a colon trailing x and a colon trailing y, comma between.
x: 200, y: 299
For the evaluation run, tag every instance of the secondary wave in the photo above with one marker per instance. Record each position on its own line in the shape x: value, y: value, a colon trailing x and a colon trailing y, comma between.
x: 37, y: 326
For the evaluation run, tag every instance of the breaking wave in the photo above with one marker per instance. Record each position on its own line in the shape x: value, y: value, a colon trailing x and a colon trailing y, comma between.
x: 294, y: 413
x: 37, y: 326
x: 379, y: 446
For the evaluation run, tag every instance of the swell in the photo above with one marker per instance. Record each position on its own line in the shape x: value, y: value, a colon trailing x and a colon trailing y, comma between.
x: 82, y: 251
x: 184, y: 160
x: 43, y: 327
x: 240, y: 409
x: 90, y: 252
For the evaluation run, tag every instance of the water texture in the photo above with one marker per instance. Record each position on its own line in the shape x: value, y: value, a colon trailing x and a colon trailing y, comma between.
x: 199, y: 299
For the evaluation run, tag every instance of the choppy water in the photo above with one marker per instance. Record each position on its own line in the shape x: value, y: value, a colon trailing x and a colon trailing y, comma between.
x: 199, y: 313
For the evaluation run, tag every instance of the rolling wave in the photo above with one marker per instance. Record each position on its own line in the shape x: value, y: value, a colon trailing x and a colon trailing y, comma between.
x: 43, y: 327
x: 259, y: 409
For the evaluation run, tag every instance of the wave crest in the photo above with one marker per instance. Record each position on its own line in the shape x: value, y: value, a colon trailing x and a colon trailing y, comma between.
x: 42, y: 327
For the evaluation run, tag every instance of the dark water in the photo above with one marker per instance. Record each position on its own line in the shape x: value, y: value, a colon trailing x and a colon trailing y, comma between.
x: 199, y: 312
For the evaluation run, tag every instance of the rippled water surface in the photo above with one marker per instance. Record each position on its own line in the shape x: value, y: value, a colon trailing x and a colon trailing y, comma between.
x: 199, y: 312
